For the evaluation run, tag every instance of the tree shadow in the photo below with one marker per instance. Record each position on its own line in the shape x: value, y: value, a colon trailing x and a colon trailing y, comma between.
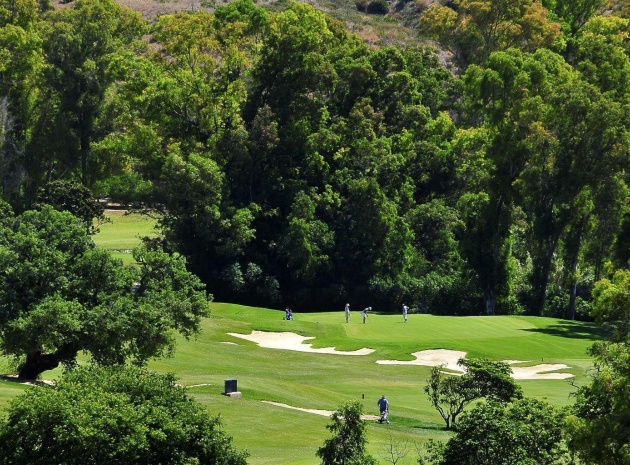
x: 429, y: 427
x: 574, y: 330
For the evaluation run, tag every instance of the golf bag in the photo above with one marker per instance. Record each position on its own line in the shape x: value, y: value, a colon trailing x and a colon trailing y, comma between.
x: 384, y: 418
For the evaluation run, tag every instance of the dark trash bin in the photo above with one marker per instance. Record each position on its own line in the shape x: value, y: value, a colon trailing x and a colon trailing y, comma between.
x: 230, y: 386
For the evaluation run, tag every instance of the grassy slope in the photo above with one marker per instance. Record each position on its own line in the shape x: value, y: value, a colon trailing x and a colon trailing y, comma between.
x: 275, y: 435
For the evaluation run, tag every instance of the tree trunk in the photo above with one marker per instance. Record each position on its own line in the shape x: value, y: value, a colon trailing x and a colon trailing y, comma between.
x: 36, y: 363
x: 84, y: 153
x: 572, y: 295
x: 490, y: 304
x: 542, y: 268
x: 572, y: 289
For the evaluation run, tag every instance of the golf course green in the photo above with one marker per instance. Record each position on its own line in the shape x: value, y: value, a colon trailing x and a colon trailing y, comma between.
x: 275, y: 434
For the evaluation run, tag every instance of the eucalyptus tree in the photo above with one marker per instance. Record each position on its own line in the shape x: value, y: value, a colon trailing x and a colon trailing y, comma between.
x: 78, y: 45
x: 21, y: 58
x: 585, y: 150
x: 508, y: 94
x: 473, y: 29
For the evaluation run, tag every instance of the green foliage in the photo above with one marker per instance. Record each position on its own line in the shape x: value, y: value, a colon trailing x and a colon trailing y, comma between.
x: 78, y: 44
x: 377, y: 7
x: 74, y: 198
x: 574, y: 13
x: 598, y: 429
x: 289, y: 161
x: 483, y: 379
x: 60, y: 296
x: 347, y: 446
x: 611, y: 303
x: 527, y: 431
x: 113, y: 415
x: 475, y: 29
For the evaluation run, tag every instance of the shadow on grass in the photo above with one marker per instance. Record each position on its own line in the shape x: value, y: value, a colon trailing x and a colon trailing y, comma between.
x: 430, y: 428
x: 573, y: 330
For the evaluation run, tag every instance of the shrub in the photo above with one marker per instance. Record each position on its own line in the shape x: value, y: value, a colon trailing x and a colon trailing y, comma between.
x: 361, y: 5
x: 378, y: 7
x: 111, y: 416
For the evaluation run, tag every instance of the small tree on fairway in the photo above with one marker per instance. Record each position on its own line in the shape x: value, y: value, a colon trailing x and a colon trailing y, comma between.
x: 112, y: 416
x: 347, y: 446
x: 483, y: 378
x: 59, y: 296
x: 393, y: 451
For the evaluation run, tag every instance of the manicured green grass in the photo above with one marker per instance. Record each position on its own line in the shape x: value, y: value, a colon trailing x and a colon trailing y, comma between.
x: 320, y: 381
x: 275, y: 435
x: 123, y: 233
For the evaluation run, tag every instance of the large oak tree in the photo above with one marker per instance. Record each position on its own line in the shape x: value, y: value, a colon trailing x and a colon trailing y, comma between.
x: 59, y: 295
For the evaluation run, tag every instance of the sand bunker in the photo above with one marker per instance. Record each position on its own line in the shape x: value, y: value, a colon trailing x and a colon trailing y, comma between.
x: 431, y: 358
x: 449, y: 358
x: 292, y: 341
x: 324, y: 413
x: 541, y: 372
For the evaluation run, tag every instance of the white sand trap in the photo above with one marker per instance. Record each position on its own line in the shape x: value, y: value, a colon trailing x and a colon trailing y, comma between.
x: 541, y: 372
x: 292, y: 341
x: 229, y: 343
x: 324, y: 413
x: 432, y: 358
x: 449, y: 358
x: 38, y: 382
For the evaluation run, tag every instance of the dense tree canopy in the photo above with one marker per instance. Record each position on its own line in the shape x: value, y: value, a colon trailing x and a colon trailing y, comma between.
x: 290, y: 162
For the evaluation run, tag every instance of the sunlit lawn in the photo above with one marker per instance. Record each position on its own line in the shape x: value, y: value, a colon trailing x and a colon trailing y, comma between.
x: 275, y: 435
x: 123, y: 233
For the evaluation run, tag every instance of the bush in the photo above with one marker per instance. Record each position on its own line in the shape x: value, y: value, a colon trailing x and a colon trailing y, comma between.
x: 361, y: 5
x: 111, y: 416
x: 528, y: 431
x: 347, y: 445
x: 378, y: 7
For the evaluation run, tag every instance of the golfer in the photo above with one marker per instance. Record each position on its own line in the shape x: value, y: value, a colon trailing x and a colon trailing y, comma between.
x: 383, y: 405
x: 405, y: 309
x: 347, y: 310
x: 364, y: 313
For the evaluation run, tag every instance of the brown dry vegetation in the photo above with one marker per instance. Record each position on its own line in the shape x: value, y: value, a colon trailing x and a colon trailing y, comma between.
x: 151, y: 9
x: 374, y: 30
